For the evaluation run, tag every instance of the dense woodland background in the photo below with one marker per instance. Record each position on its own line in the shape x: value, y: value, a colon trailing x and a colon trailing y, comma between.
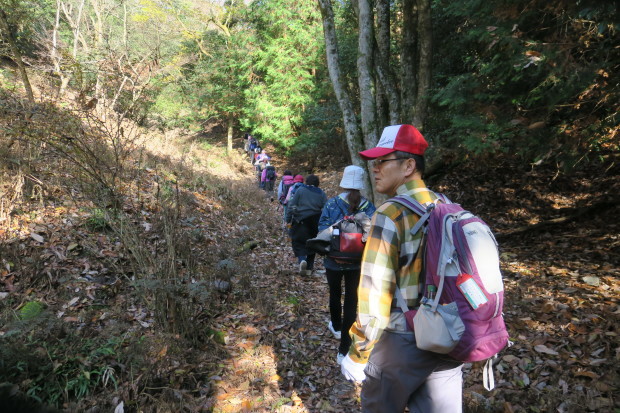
x: 142, y: 270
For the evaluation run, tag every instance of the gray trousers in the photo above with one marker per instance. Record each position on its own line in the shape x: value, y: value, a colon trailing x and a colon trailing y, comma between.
x: 399, y: 374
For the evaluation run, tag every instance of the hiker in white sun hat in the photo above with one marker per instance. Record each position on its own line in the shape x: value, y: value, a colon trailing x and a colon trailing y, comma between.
x: 348, y: 203
x: 384, y: 356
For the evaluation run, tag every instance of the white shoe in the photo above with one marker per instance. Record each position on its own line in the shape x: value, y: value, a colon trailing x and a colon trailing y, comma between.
x: 339, y: 358
x: 336, y: 334
x: 308, y: 273
x: 302, y: 267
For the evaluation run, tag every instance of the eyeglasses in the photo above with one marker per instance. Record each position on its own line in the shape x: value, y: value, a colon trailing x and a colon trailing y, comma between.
x: 378, y: 162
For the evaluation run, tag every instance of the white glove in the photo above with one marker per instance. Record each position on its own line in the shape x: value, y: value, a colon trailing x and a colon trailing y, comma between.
x: 352, y: 370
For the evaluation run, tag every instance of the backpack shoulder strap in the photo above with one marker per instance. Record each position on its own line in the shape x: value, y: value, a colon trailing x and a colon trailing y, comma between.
x: 410, y: 203
x: 423, y: 211
x: 417, y: 208
x: 400, y: 300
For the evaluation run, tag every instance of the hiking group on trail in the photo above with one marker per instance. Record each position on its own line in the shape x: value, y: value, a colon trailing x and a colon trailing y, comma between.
x: 265, y: 172
x: 423, y: 291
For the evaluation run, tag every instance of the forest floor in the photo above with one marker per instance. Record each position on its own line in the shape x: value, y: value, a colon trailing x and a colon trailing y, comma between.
x: 190, y: 299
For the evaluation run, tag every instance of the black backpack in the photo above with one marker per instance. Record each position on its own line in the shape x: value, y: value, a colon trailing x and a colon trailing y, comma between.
x: 271, y: 173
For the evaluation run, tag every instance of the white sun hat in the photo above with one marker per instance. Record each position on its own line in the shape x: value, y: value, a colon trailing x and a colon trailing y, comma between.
x: 352, y: 178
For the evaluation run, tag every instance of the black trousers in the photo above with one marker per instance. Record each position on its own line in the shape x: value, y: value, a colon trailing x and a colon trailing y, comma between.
x: 343, y: 316
x: 301, y: 232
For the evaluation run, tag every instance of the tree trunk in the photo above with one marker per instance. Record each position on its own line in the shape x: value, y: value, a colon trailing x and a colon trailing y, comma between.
x: 57, y: 57
x: 386, y: 80
x: 229, y: 140
x: 351, y: 125
x: 77, y: 30
x: 386, y: 89
x: 425, y: 31
x: 383, y: 107
x: 125, y: 32
x: 408, y: 59
x: 365, y: 76
x: 74, y: 23
x: 98, y: 26
x: 17, y: 56
x: 383, y: 52
x: 383, y: 27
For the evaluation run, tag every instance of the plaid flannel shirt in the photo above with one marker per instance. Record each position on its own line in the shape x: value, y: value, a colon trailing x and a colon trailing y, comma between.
x: 389, y: 260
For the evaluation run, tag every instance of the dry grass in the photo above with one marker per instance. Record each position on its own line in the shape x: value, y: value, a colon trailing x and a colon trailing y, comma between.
x: 134, y: 224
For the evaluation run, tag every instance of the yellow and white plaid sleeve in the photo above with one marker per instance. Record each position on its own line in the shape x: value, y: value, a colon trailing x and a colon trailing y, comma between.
x: 377, y: 284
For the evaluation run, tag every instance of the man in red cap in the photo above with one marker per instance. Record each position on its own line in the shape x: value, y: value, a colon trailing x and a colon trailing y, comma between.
x: 383, y: 355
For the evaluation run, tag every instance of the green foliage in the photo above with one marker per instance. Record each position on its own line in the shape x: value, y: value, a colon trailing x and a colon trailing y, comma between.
x: 97, y: 221
x: 322, y: 129
x: 172, y: 107
x: 293, y: 300
x: 218, y: 336
x: 31, y: 310
x: 503, y: 66
x: 8, y: 81
x: 284, y: 68
x: 265, y: 70
x: 204, y: 79
x: 53, y: 363
x: 27, y: 20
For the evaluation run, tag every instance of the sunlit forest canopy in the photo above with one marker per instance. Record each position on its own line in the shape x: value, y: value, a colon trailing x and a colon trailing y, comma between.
x: 519, y: 76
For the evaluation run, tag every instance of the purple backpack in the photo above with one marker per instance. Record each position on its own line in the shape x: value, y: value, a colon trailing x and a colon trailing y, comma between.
x: 461, y: 260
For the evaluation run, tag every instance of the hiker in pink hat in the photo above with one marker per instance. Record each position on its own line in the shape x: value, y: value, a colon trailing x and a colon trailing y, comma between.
x: 395, y: 373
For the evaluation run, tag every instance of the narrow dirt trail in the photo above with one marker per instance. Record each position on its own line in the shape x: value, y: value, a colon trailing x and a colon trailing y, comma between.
x: 281, y: 357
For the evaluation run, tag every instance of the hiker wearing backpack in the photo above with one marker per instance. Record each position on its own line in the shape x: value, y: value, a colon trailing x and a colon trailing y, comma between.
x: 246, y: 142
x: 256, y: 153
x: 268, y: 177
x: 260, y: 164
x: 283, y: 187
x: 263, y: 157
x: 252, y: 144
x: 258, y: 168
x: 347, y: 203
x: 298, y: 181
x: 303, y: 213
x: 384, y: 355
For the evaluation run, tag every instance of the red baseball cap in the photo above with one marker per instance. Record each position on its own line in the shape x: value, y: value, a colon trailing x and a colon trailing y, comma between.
x: 394, y: 138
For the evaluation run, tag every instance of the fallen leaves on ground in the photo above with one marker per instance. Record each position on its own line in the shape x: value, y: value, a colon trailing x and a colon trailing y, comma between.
x: 271, y: 349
